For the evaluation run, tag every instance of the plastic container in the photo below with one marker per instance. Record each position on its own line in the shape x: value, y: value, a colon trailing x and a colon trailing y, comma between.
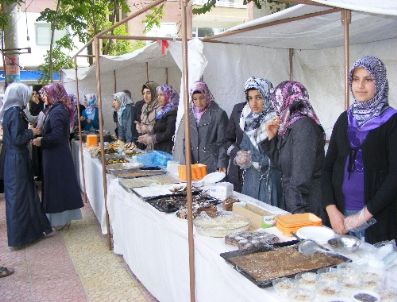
x: 91, y: 140
x: 220, y: 226
x: 289, y: 224
x: 198, y: 171
x: 283, y: 286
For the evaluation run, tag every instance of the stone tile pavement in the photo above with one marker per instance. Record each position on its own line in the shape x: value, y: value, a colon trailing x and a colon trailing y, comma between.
x: 74, y: 265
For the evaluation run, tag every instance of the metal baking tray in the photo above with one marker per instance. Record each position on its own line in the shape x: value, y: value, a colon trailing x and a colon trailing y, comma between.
x: 230, y: 257
x: 135, y: 173
x: 170, y: 204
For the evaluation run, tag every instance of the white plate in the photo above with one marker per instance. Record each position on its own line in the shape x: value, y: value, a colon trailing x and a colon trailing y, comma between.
x: 320, y: 234
x: 213, y: 177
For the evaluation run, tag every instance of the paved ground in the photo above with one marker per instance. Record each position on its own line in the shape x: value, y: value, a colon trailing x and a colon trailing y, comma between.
x: 74, y: 265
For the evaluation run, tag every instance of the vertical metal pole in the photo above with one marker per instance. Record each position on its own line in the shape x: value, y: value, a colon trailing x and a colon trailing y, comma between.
x: 291, y: 64
x: 166, y: 75
x: 80, y: 136
x: 147, y: 71
x: 346, y: 19
x: 114, y: 81
x: 187, y: 152
x: 99, y: 94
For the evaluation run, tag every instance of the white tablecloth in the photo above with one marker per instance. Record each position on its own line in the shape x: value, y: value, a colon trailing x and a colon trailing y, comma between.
x: 93, y: 182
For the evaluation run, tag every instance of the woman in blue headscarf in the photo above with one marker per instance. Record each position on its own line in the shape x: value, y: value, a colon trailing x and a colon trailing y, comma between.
x: 260, y: 179
x: 125, y: 109
x: 360, y: 171
x: 89, y: 118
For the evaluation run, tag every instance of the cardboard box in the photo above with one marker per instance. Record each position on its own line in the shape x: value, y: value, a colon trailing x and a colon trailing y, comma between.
x: 253, y: 213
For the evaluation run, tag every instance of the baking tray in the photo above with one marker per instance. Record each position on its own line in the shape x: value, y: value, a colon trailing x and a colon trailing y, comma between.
x: 149, y: 184
x: 135, y: 173
x: 268, y: 251
x: 180, y: 199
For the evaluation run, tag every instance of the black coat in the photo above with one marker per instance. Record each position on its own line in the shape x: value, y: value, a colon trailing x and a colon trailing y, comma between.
x: 380, y: 175
x: 26, y: 221
x: 164, y: 130
x: 299, y: 154
x: 61, y: 191
x: 233, y: 136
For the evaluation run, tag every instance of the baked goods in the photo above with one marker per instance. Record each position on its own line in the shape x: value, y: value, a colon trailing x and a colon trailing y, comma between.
x: 246, y: 240
x: 227, y: 204
x: 286, y: 261
x: 221, y: 225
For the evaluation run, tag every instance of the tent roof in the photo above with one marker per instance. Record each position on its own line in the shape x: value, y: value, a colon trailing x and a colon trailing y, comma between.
x: 150, y: 54
x: 290, y: 28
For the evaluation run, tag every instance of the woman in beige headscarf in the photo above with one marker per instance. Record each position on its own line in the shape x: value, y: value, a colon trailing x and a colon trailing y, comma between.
x: 149, y: 110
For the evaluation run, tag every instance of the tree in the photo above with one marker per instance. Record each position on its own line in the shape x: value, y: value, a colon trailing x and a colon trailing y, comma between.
x: 83, y: 19
x: 4, y: 15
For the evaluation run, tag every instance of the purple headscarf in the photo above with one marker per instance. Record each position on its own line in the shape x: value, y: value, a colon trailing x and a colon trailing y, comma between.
x: 171, y: 99
x: 291, y: 102
x: 55, y: 93
x: 365, y: 111
x: 200, y: 87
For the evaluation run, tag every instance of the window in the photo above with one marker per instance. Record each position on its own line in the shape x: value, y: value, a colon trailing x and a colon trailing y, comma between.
x: 43, y: 34
x: 205, y: 31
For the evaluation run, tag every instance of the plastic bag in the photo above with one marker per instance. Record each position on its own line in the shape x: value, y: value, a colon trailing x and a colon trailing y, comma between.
x: 154, y: 159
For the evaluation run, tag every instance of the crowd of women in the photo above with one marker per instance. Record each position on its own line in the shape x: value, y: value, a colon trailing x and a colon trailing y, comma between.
x: 271, y: 147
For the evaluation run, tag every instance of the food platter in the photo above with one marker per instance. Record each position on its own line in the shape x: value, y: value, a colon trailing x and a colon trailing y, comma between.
x: 264, y: 264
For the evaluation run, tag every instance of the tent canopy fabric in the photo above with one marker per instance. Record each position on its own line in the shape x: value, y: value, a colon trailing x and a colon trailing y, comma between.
x: 313, y: 27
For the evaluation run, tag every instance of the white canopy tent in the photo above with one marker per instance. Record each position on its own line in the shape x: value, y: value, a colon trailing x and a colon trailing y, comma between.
x: 261, y: 48
x: 131, y: 71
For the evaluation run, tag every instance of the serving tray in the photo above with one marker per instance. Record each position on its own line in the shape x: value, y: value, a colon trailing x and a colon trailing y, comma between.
x: 264, y: 264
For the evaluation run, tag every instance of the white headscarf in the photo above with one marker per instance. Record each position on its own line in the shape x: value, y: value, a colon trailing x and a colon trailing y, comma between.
x: 123, y: 99
x: 16, y: 95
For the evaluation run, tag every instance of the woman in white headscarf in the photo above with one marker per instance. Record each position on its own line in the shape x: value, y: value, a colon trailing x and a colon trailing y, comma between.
x: 26, y: 222
x: 125, y: 109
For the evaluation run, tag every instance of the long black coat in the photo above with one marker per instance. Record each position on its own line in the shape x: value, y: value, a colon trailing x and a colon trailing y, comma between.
x: 380, y: 175
x: 300, y: 157
x: 26, y: 222
x: 61, y: 191
x: 233, y: 136
x: 164, y: 130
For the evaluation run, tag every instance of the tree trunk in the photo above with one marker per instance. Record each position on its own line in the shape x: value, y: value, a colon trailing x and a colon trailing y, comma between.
x: 10, y: 52
x: 52, y: 42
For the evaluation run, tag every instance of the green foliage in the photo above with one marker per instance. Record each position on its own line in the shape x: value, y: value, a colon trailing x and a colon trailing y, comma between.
x: 5, y: 15
x: 137, y: 44
x: 119, y: 48
x: 60, y: 60
x: 153, y: 18
x: 274, y: 5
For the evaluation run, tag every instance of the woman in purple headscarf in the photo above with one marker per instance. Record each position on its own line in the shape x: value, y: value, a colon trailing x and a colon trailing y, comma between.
x: 360, y: 171
x: 295, y: 144
x: 61, y: 193
x: 207, y: 129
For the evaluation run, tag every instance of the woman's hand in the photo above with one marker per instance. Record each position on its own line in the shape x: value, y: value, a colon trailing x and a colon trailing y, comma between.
x: 37, y: 141
x: 337, y: 219
x: 36, y: 131
x: 271, y: 127
x: 358, y: 219
x: 82, y: 118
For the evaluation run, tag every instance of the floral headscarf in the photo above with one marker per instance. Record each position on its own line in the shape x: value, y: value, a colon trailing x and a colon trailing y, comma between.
x: 291, y: 101
x: 250, y: 122
x: 123, y: 99
x: 16, y: 95
x: 55, y: 93
x: 171, y: 99
x: 91, y: 105
x: 364, y: 111
x: 200, y: 87
x: 72, y: 109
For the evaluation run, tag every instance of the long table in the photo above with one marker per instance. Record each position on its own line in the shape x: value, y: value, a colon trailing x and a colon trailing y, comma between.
x: 155, y: 245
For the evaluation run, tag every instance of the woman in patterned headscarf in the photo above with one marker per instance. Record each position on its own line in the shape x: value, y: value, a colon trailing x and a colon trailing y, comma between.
x: 164, y: 127
x: 89, y: 117
x: 295, y: 144
x: 207, y: 129
x: 260, y: 180
x: 26, y: 222
x: 61, y: 193
x: 360, y: 175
